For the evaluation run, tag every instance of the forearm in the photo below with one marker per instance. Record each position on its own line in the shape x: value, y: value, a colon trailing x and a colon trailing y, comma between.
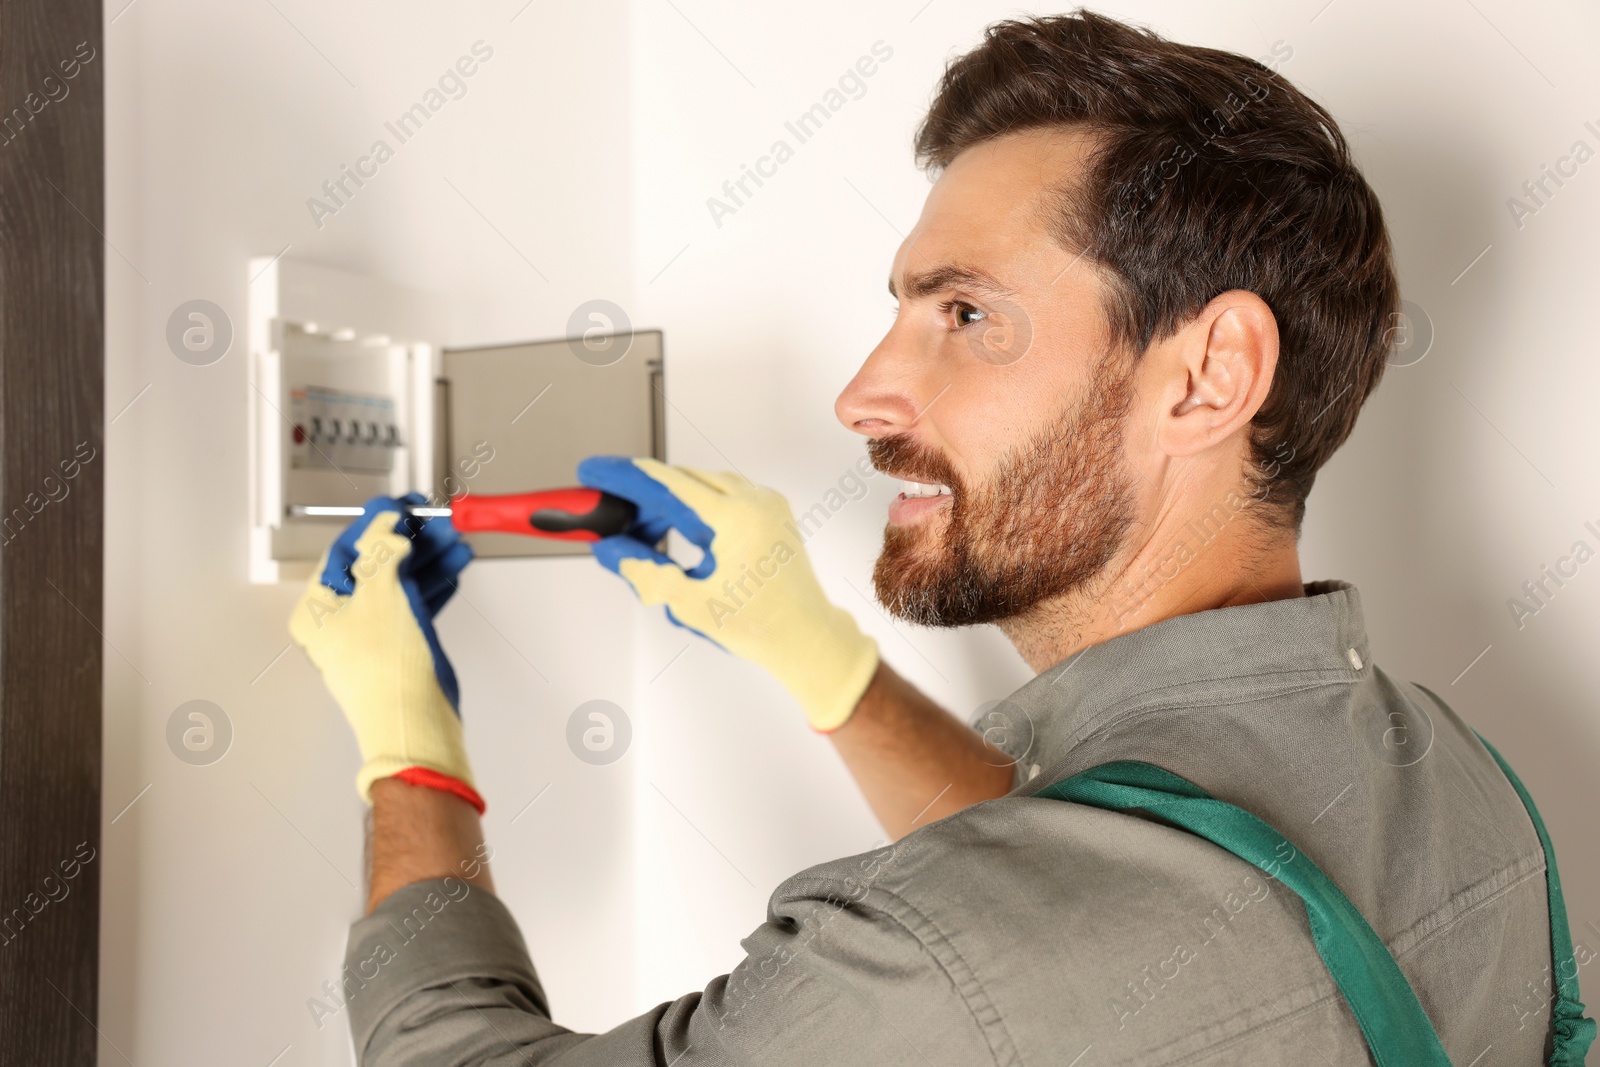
x: 915, y: 762
x: 419, y: 833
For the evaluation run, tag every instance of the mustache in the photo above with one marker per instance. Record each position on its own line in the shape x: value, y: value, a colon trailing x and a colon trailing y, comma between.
x: 901, y: 456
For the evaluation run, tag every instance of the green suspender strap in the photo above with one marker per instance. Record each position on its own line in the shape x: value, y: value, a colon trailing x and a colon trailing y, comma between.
x: 1572, y: 1032
x: 1397, y: 1029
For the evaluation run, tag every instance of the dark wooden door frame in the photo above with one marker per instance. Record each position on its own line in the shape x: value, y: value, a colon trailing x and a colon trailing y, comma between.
x: 52, y: 376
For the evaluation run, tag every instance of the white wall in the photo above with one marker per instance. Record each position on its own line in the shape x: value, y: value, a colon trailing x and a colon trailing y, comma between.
x: 228, y: 888
x: 592, y: 140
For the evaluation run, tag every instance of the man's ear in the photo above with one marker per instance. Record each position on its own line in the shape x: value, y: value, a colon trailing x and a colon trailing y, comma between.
x: 1219, y: 367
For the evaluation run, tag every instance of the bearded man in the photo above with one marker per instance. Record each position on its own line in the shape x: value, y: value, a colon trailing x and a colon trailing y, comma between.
x: 1143, y: 305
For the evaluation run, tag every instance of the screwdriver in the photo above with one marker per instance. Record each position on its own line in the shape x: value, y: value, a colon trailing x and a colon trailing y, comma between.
x: 574, y: 514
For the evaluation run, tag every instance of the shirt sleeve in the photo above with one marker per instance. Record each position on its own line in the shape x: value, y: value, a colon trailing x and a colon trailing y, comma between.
x: 439, y: 974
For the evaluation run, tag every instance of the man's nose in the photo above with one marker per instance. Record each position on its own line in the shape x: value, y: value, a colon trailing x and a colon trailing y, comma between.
x: 881, y: 399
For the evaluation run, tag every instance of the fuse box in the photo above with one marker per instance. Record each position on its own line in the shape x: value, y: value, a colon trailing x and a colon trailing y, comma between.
x: 353, y: 396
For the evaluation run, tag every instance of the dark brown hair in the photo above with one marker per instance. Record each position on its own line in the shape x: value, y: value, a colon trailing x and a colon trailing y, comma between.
x: 1209, y: 172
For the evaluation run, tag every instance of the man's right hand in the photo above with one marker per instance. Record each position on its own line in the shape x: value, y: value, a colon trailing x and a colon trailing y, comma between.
x: 366, y: 621
x: 754, y: 593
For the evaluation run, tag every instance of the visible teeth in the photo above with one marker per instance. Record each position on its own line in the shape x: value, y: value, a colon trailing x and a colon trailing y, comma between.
x: 917, y: 489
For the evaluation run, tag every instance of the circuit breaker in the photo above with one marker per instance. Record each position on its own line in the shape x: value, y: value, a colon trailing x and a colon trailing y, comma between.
x: 352, y: 397
x: 333, y: 429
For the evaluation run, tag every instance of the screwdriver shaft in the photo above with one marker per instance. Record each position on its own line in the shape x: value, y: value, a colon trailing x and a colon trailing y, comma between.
x: 330, y: 511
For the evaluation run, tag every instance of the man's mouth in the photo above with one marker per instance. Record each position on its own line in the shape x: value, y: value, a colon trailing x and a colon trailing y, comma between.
x: 920, y: 489
x: 928, y: 481
x: 917, y: 500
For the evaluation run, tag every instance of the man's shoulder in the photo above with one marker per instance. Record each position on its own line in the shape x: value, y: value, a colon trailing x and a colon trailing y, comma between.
x: 1079, y: 921
x: 1118, y: 925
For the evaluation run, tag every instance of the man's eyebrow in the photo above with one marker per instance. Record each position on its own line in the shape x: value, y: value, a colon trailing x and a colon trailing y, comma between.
x: 937, y: 279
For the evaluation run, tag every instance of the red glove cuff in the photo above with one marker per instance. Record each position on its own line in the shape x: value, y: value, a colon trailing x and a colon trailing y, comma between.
x: 442, y: 782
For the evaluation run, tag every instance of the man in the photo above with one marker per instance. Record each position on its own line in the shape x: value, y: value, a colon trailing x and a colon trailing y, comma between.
x: 1142, y: 306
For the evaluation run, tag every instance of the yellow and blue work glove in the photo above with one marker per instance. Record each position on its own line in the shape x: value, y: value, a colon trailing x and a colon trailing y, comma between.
x: 754, y: 592
x: 366, y: 621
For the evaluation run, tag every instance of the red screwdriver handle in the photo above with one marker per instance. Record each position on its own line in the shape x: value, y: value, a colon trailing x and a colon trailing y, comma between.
x: 575, y: 514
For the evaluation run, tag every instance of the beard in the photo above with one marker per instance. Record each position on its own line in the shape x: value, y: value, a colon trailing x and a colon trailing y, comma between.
x: 1052, y: 516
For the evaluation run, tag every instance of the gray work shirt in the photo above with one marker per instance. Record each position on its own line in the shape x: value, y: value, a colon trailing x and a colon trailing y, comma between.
x: 1026, y: 930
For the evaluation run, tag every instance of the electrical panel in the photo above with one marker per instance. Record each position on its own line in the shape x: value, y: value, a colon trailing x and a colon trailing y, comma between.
x: 352, y: 397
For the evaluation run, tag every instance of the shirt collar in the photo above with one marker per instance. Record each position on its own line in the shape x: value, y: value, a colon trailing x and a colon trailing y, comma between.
x: 1210, y: 655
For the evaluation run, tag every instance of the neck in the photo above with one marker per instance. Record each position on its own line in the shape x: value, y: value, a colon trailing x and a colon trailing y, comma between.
x: 1213, y: 560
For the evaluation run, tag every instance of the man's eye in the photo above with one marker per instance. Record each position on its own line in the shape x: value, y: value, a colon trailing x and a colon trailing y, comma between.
x: 965, y: 314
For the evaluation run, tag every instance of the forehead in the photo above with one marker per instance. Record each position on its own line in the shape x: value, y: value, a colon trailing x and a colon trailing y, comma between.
x: 994, y: 202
